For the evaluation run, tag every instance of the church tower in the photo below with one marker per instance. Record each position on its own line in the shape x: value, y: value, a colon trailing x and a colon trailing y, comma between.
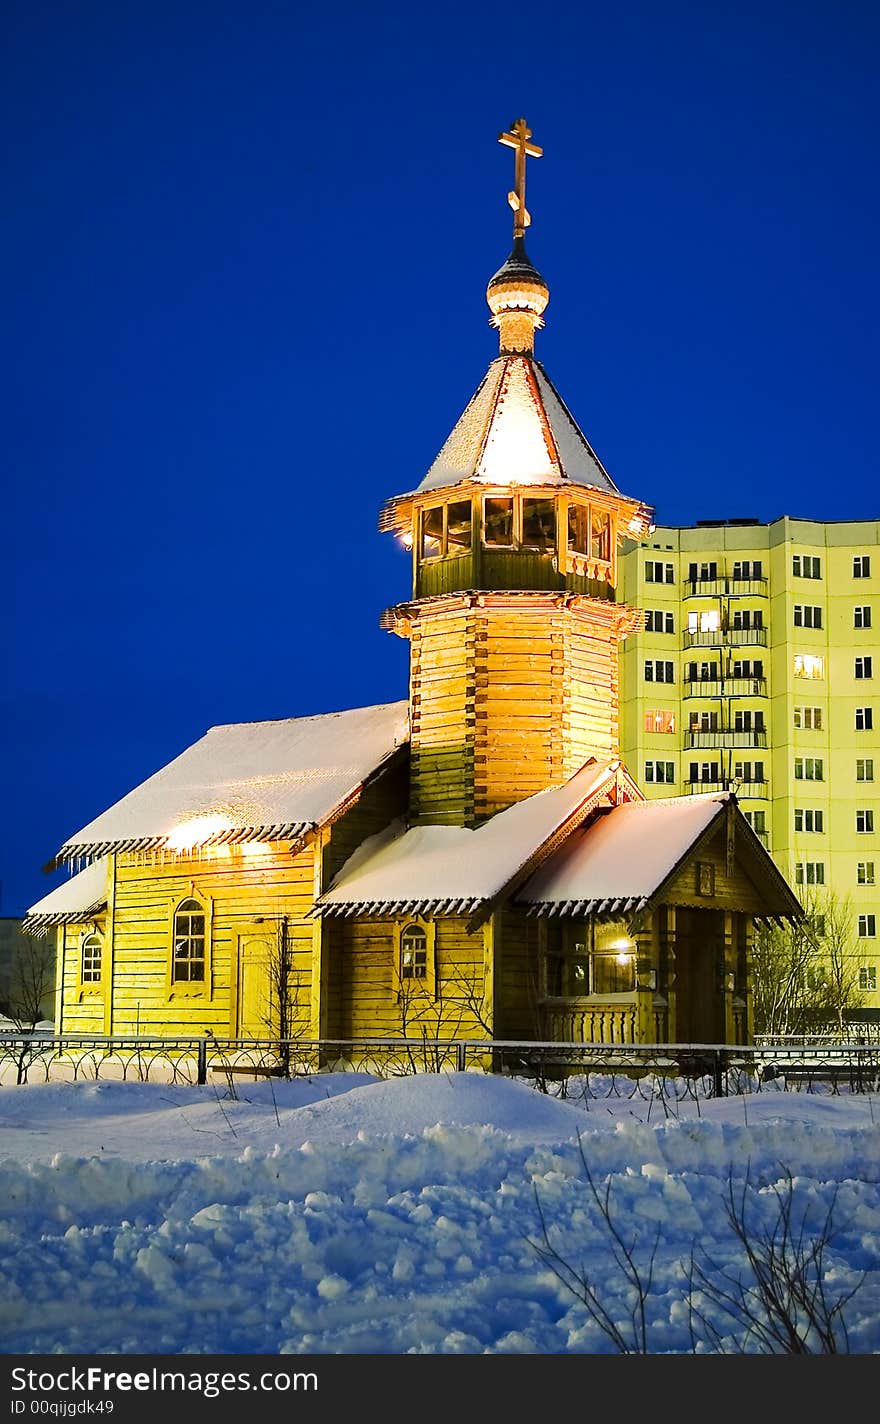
x: 513, y: 624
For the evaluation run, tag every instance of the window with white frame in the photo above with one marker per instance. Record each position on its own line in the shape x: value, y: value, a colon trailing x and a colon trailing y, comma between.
x: 747, y: 771
x: 746, y: 569
x: 809, y: 769
x: 413, y: 953
x: 865, y: 872
x: 864, y: 769
x: 864, y: 719
x: 757, y: 820
x: 657, y: 670
x: 660, y: 771
x: 809, y: 872
x: 657, y: 572
x: 702, y: 672
x: 868, y: 978
x: 864, y: 667
x: 807, y: 615
x: 861, y: 566
x: 91, y: 959
x: 806, y: 566
x: 864, y: 822
x: 748, y: 720
x: 659, y: 620
x: 658, y: 719
x: 703, y: 771
x: 748, y: 618
x: 808, y: 719
x: 867, y: 926
x: 862, y: 615
x: 747, y: 667
x: 707, y: 621
x: 808, y: 665
x: 702, y: 573
x: 808, y: 819
x: 189, y: 941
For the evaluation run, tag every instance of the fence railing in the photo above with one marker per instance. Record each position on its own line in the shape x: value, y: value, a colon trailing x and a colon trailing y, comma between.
x: 618, y: 1069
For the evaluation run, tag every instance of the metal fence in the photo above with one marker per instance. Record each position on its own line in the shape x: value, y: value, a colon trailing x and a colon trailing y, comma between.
x: 588, y: 1070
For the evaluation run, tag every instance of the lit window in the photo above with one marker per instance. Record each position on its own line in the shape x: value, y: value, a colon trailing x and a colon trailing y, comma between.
x: 864, y: 667
x: 708, y: 621
x: 806, y: 665
x: 498, y: 522
x: 592, y: 959
x: 600, y: 537
x: 864, y: 822
x: 865, y: 872
x: 458, y: 527
x: 538, y: 524
x: 867, y: 926
x: 413, y: 953
x: 862, y: 615
x: 861, y: 566
x: 659, y: 720
x: 91, y: 959
x: 432, y: 532
x: 188, y: 961
x: 867, y: 978
x: 579, y: 529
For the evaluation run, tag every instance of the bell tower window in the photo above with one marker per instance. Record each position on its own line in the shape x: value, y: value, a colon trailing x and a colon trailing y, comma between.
x: 539, y: 524
x: 498, y: 523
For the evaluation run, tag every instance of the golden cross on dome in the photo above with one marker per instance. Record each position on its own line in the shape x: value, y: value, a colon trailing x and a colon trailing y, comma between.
x: 518, y: 138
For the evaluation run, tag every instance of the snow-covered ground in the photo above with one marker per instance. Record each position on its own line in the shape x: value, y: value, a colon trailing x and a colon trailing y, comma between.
x: 344, y: 1214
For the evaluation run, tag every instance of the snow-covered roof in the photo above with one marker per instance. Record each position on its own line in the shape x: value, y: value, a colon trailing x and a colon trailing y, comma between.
x: 517, y: 430
x: 78, y: 898
x: 250, y: 780
x: 619, y: 861
x: 451, y: 869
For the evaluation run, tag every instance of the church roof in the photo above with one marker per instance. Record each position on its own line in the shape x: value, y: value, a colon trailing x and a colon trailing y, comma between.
x: 79, y: 898
x: 517, y: 430
x: 452, y: 869
x: 625, y: 857
x: 250, y: 781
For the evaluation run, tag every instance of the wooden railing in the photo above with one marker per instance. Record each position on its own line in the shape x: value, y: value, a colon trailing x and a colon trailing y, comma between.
x: 589, y: 1020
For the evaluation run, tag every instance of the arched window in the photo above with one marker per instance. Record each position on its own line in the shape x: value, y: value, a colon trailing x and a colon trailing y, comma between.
x: 413, y: 953
x: 91, y: 959
x: 188, y: 957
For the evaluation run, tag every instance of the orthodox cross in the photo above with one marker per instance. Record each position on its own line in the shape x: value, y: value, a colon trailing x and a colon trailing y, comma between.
x: 517, y: 138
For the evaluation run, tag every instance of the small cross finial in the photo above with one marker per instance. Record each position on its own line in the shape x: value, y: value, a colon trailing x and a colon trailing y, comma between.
x: 517, y: 138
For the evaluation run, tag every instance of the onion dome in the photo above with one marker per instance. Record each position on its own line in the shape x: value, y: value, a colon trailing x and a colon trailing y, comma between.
x: 517, y: 296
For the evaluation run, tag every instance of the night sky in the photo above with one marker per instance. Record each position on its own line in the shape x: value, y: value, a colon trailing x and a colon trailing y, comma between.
x: 245, y: 253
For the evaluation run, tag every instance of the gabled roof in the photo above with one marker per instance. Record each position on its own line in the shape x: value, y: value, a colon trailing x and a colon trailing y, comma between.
x: 454, y: 870
x: 517, y: 430
x: 79, y: 898
x: 250, y: 780
x: 622, y: 861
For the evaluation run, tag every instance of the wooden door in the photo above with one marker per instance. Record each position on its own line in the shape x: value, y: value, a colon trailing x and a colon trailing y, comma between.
x: 699, y: 993
x: 255, y: 999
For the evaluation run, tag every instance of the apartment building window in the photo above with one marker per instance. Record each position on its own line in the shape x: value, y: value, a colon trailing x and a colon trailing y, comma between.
x: 748, y: 618
x: 864, y: 719
x: 702, y: 672
x: 809, y: 769
x: 657, y: 572
x: 862, y: 615
x: 746, y: 771
x: 865, y: 769
x: 809, y: 820
x: 657, y: 620
x: 748, y: 667
x: 867, y: 926
x: 807, y: 615
x: 758, y: 821
x: 657, y: 671
x: 660, y: 771
x: 703, y: 771
x: 864, y: 667
x: 861, y: 566
x: 703, y: 722
x: 809, y: 872
x: 702, y: 573
x: 806, y: 665
x: 709, y: 621
x: 744, y: 569
x: 867, y: 978
x: 806, y: 566
x: 864, y: 822
x: 657, y: 719
x: 748, y: 721
x: 808, y: 719
x: 865, y: 872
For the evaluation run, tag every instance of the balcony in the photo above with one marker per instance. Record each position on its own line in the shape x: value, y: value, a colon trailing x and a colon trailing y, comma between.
x: 724, y: 585
x: 752, y: 791
x: 727, y: 638
x: 725, y: 687
x: 723, y: 739
x: 702, y: 788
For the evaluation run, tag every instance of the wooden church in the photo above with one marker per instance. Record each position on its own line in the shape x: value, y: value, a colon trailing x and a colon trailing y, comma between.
x: 475, y: 861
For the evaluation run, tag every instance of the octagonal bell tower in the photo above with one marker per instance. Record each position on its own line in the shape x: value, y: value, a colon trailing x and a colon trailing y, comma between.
x: 514, y: 624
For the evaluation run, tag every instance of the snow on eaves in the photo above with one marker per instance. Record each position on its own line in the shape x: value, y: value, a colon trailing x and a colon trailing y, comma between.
x: 618, y: 862
x: 451, y: 869
x: 264, y: 780
x: 77, y: 899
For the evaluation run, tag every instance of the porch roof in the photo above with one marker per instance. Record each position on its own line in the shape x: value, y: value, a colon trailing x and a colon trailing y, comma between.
x: 78, y: 899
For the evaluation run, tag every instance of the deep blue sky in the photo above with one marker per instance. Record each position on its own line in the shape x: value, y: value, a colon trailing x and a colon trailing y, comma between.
x: 245, y: 251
